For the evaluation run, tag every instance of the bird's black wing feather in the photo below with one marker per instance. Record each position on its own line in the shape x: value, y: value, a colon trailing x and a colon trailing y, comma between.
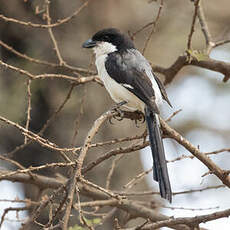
x: 160, y: 171
x: 125, y: 72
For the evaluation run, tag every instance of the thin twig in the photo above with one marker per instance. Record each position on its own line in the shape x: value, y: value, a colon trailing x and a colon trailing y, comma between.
x: 51, y: 64
x: 139, y: 177
x: 16, y: 209
x: 80, y: 114
x: 78, y: 80
x: 48, y: 122
x: 114, y: 152
x: 77, y: 172
x: 109, y: 176
x: 28, y: 82
x: 33, y: 136
x: 192, y: 156
x: 56, y: 48
x: 153, y: 26
x: 196, y: 4
x: 58, y: 23
x: 196, y: 152
x: 222, y: 42
x: 13, y: 162
x: 205, y: 29
x: 58, y: 110
x: 173, y: 115
x: 190, y: 221
x: 89, y: 138
x: 189, y: 209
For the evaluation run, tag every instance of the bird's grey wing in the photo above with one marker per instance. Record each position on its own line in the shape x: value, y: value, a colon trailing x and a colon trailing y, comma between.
x: 125, y: 70
x: 143, y: 63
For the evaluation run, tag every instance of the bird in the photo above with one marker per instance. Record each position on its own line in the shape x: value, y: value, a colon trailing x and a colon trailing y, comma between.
x: 130, y: 81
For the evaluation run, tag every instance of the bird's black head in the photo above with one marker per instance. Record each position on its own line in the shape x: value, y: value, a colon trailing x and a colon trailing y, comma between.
x: 112, y: 36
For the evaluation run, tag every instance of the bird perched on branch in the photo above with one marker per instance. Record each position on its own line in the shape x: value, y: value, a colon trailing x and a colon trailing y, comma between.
x: 129, y: 79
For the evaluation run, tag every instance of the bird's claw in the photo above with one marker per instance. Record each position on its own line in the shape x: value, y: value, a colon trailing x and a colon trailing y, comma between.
x: 119, y: 114
x: 140, y: 118
x: 118, y: 117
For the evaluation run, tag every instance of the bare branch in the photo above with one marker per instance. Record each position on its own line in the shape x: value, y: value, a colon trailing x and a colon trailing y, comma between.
x: 60, y: 22
x: 28, y: 82
x: 154, y: 23
x: 190, y: 221
x: 61, y: 61
x: 205, y: 29
x: 77, y: 172
x: 182, y: 61
x: 197, y: 153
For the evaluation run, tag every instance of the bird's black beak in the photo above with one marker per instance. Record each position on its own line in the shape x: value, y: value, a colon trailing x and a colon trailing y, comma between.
x: 89, y: 44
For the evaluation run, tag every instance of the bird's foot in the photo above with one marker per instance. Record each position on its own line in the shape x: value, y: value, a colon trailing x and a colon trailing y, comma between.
x: 119, y: 114
x: 139, y: 118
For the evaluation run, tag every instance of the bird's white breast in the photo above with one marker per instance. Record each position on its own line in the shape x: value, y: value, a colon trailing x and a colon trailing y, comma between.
x: 118, y: 92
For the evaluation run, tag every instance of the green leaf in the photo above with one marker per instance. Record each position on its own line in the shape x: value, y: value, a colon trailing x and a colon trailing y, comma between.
x: 199, y: 55
x: 76, y: 227
x: 90, y: 222
x: 96, y: 220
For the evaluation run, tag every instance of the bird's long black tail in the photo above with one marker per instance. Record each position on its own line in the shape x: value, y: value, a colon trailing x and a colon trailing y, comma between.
x: 160, y: 171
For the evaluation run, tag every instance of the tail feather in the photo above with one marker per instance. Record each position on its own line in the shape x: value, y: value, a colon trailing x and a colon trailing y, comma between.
x: 160, y: 171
